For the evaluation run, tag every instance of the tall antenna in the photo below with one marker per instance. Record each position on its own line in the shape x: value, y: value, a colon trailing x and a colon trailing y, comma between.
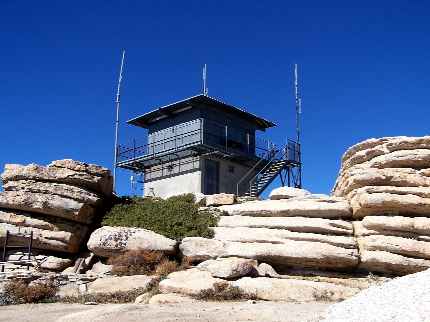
x: 298, y: 103
x: 117, y: 103
x: 205, y: 88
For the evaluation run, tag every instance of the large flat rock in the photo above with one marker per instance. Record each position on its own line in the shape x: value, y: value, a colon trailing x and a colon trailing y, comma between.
x: 360, y: 230
x: 359, y: 176
x: 109, y: 241
x: 387, y: 200
x: 329, y: 207
x: 273, y: 289
x: 189, y: 282
x: 26, y: 219
x: 59, y: 189
x: 301, y: 254
x: 114, y: 284
x: 372, y: 148
x: 67, y: 171
x: 397, y: 245
x: 389, y: 263
x: 211, y: 311
x: 416, y: 225
x: 278, y: 236
x: 417, y: 158
x: 47, y: 204
x: 296, y: 224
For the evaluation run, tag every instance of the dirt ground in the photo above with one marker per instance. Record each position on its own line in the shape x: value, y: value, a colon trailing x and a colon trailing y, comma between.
x: 182, y: 312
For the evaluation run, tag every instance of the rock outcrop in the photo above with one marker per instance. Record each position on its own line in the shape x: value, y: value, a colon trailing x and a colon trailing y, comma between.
x: 58, y: 203
x: 387, y: 182
x: 79, y: 174
x: 305, y: 231
x: 196, y: 282
x: 386, y: 175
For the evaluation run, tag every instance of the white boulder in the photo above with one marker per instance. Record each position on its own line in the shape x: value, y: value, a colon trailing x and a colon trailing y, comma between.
x: 220, y: 199
x: 109, y: 241
x: 288, y: 193
x: 230, y: 267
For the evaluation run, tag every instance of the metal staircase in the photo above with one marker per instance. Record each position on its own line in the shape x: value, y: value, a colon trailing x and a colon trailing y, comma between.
x: 285, y: 162
x: 266, y: 177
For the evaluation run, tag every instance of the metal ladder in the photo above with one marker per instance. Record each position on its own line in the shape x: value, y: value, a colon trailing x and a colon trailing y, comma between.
x: 6, y: 247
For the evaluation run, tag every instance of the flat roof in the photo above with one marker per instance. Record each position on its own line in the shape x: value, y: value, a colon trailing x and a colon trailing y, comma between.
x: 186, y: 104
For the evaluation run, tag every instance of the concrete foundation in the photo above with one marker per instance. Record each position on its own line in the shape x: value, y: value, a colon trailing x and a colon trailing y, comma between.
x: 175, y: 185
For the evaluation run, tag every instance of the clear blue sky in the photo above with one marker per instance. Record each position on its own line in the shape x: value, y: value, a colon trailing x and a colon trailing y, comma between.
x: 365, y: 69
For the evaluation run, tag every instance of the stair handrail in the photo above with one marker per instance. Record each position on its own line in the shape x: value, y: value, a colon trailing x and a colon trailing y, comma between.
x: 284, y: 151
x: 264, y: 158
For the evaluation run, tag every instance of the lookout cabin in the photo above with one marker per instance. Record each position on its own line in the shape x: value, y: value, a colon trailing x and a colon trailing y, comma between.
x: 203, y: 145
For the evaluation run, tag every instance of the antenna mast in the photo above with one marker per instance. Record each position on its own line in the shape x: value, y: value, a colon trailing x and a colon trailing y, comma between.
x: 205, y: 88
x: 298, y: 103
x: 117, y: 104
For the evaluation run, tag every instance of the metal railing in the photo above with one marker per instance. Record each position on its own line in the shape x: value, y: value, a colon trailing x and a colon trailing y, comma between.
x: 209, y: 133
x: 158, y: 147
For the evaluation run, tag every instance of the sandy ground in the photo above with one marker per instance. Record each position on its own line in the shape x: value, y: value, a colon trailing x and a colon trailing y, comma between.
x: 183, y: 312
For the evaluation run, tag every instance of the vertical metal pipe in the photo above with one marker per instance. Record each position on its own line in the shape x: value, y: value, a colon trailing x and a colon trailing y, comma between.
x: 202, y: 131
x: 298, y: 103
x: 117, y: 102
x: 4, y: 250
x: 226, y: 137
x: 30, y: 246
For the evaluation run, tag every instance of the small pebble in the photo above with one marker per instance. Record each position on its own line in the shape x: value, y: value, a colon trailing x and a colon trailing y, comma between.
x: 90, y: 303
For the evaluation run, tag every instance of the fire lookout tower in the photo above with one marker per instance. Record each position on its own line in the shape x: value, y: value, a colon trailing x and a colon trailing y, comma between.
x: 201, y: 144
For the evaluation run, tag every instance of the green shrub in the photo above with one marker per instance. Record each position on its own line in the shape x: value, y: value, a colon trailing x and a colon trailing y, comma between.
x: 176, y: 217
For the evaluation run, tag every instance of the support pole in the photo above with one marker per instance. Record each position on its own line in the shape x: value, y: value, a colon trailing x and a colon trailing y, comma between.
x: 298, y: 181
x: 117, y: 103
x: 298, y: 103
x: 205, y: 87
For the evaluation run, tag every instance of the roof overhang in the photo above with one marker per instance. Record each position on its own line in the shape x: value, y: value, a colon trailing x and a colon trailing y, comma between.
x: 181, y: 106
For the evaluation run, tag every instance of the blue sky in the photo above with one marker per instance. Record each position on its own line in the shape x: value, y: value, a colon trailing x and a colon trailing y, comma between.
x: 365, y: 69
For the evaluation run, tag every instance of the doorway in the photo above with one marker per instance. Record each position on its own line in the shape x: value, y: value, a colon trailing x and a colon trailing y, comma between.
x: 211, y: 177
